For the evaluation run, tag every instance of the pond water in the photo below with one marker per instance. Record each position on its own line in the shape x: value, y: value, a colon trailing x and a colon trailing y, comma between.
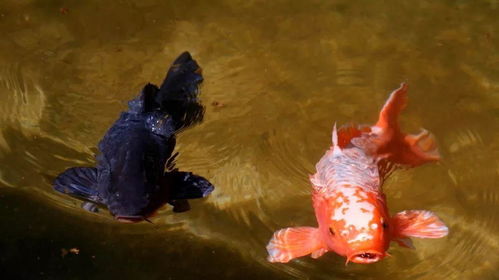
x: 281, y: 73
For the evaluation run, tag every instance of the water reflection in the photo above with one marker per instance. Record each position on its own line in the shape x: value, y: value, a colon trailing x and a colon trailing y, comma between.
x: 284, y: 71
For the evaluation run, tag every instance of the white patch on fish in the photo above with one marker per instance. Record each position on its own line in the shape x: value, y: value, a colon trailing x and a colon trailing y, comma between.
x: 357, y: 213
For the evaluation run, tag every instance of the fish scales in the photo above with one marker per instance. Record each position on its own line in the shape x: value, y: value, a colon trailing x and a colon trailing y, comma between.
x: 350, y: 167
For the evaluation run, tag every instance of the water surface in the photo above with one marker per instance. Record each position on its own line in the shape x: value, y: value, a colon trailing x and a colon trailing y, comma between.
x: 281, y: 72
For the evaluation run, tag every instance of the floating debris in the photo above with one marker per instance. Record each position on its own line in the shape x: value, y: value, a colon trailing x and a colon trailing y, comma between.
x: 218, y: 104
x: 65, y: 251
x: 64, y: 11
x: 75, y: 251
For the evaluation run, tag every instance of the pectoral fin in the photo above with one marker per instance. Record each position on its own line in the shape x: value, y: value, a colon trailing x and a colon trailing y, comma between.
x: 289, y: 243
x: 90, y: 206
x: 418, y: 223
x: 405, y: 242
x: 185, y: 185
x: 80, y: 182
x: 180, y: 205
x: 318, y: 253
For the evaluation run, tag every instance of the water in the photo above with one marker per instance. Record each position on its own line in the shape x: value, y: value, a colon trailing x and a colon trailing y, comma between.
x: 282, y: 73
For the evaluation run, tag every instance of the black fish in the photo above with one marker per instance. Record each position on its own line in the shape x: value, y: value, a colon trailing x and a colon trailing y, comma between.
x: 135, y: 172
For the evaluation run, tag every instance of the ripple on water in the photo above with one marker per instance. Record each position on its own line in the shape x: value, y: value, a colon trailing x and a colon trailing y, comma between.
x: 25, y: 148
x: 285, y: 73
x: 23, y: 101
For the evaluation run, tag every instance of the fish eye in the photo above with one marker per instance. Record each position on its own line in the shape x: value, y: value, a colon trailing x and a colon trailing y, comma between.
x: 384, y: 225
x: 331, y: 231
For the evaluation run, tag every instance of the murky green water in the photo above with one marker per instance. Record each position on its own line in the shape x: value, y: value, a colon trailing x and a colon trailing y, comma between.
x: 284, y: 71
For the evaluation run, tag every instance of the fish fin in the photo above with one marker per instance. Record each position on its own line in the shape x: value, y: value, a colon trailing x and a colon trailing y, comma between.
x: 181, y: 81
x: 400, y: 148
x: 318, y: 253
x: 90, y: 206
x: 80, y: 182
x: 347, y: 132
x: 334, y: 136
x: 388, y: 117
x: 423, y: 148
x: 186, y: 185
x: 289, y: 243
x: 336, y: 148
x: 148, y: 98
x: 418, y: 223
x: 405, y: 242
x: 145, y: 101
x: 178, y: 94
x: 180, y: 205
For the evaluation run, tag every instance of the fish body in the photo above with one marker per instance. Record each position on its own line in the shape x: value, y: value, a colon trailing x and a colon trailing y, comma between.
x: 348, y: 200
x: 135, y: 173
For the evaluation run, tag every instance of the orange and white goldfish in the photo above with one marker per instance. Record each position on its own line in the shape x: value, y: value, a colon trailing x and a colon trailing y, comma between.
x: 349, y: 203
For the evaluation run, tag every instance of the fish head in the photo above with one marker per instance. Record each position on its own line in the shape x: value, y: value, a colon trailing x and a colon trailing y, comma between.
x: 133, y: 207
x: 128, y: 213
x: 358, y: 224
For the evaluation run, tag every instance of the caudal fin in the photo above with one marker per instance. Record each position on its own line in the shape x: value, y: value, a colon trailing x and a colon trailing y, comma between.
x: 289, y: 243
x: 400, y: 148
x: 388, y: 116
x: 178, y: 94
x: 182, y: 80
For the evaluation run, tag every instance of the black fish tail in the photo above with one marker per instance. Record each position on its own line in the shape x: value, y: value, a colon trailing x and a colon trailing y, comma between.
x: 79, y: 182
x: 182, y: 80
x: 178, y: 94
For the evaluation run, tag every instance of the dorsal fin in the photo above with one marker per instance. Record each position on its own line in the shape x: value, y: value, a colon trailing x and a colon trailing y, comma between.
x: 343, y: 136
x: 347, y: 132
x: 335, y: 136
x: 148, y: 98
x: 335, y: 148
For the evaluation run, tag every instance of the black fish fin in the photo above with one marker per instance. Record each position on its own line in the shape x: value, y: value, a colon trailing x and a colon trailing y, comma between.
x: 180, y: 205
x: 149, y: 98
x: 80, y: 182
x: 178, y: 94
x: 182, y: 80
x: 90, y: 206
x: 186, y: 185
x: 146, y: 101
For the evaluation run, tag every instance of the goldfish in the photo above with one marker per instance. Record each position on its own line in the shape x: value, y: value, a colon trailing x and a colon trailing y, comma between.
x: 347, y: 195
x: 135, y: 173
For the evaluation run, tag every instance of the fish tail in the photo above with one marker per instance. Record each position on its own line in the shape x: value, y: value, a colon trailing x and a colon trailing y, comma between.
x: 405, y: 149
x: 178, y: 94
x: 388, y: 117
x: 289, y: 243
